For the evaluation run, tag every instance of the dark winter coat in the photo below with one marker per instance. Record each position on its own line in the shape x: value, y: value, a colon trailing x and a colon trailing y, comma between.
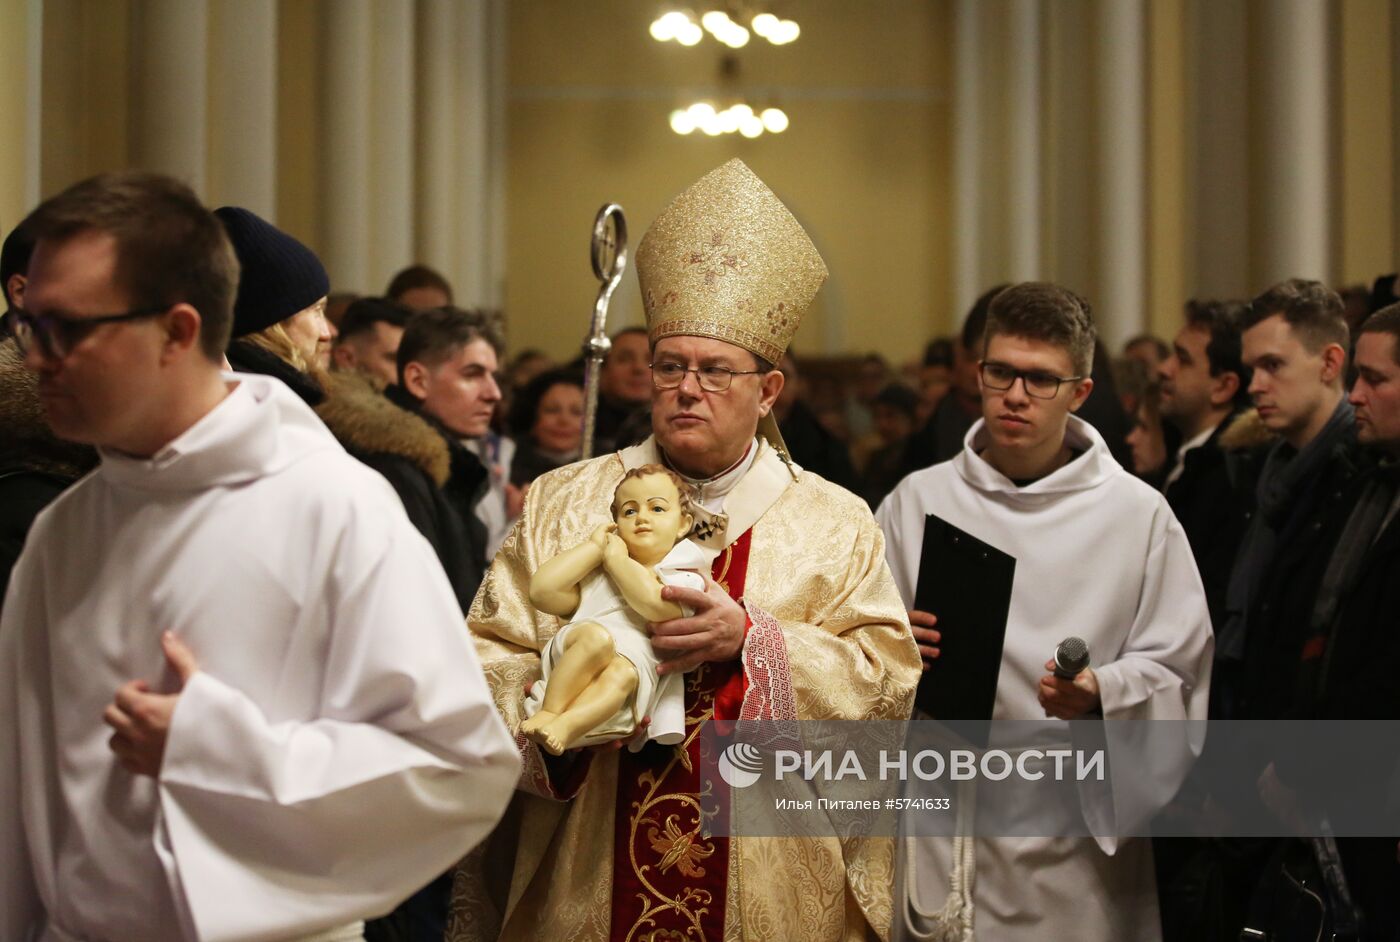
x: 35, y: 467
x: 1213, y: 499
x: 421, y: 465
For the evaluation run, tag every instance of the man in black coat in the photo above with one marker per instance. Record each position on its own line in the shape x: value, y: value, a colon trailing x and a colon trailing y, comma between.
x: 1295, y: 340
x: 1204, y: 387
x: 447, y: 376
x: 1351, y: 651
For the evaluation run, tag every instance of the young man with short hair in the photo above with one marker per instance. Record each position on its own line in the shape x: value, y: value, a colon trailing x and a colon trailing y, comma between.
x: 447, y: 374
x: 1094, y: 553
x: 1295, y: 340
x: 370, y: 332
x: 297, y: 732
x: 1352, y: 651
x: 1204, y: 387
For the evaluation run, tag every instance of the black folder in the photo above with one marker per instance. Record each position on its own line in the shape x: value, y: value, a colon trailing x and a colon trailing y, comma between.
x: 966, y: 582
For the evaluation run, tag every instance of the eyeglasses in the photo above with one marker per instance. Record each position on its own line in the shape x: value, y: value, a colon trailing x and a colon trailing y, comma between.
x: 57, y: 336
x: 1038, y: 384
x: 711, y: 378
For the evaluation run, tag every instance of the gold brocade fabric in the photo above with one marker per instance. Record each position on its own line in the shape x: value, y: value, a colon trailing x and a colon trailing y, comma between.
x: 727, y: 260
x: 817, y: 566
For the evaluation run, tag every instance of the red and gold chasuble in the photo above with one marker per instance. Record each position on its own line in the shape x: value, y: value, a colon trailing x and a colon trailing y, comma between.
x: 669, y: 878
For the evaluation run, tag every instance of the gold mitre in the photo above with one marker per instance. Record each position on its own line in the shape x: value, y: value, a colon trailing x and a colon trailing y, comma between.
x: 727, y: 260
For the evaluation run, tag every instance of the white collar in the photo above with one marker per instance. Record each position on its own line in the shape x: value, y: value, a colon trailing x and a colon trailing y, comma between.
x: 711, y: 492
x: 1196, y: 442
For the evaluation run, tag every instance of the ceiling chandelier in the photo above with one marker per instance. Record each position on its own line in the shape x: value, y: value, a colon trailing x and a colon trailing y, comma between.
x: 682, y: 26
x: 739, y: 117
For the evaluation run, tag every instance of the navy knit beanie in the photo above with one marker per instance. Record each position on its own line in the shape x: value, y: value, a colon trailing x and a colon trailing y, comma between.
x: 279, y: 277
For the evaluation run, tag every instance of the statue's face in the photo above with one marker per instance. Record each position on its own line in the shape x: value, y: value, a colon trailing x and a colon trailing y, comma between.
x: 649, y: 517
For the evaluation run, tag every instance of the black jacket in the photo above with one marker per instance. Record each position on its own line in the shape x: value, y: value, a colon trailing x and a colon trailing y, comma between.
x: 1213, y: 499
x: 467, y: 483
x: 417, y: 461
x: 1283, y: 605
x: 813, y: 447
x: 35, y: 467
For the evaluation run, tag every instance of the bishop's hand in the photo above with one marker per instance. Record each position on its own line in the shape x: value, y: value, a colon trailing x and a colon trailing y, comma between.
x: 715, y: 632
x: 141, y: 719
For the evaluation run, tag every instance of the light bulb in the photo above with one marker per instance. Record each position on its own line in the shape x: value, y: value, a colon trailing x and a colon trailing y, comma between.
x: 741, y: 111
x: 763, y: 24
x: 701, y: 111
x: 712, y: 126
x: 661, y: 30
x: 750, y: 126
x: 682, y: 122
x: 785, y: 32
x: 775, y: 120
x: 728, y: 121
x: 690, y: 35
x: 715, y: 21
x: 736, y: 38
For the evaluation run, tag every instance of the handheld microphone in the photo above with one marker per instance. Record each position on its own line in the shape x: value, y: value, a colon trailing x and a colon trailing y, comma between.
x: 1071, y: 657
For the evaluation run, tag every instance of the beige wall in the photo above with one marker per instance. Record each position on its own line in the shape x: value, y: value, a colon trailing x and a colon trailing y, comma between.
x: 577, y: 116
x: 864, y: 165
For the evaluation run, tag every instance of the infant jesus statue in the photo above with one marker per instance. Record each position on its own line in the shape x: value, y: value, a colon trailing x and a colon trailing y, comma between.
x: 600, y: 676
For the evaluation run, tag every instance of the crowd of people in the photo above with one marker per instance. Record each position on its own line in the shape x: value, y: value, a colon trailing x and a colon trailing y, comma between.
x: 288, y: 555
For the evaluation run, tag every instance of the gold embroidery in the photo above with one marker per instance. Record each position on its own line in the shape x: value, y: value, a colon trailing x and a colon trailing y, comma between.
x: 723, y: 577
x: 679, y: 840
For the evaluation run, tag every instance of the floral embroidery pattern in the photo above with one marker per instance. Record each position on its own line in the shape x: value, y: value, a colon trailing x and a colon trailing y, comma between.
x: 678, y: 848
x: 715, y: 259
x: 667, y: 299
x: 779, y: 316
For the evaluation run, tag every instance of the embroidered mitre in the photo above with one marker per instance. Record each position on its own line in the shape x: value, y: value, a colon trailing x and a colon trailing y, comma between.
x: 727, y: 260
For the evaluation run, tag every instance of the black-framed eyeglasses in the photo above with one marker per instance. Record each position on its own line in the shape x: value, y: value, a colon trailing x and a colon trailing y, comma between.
x: 710, y: 378
x: 57, y: 336
x: 1038, y: 383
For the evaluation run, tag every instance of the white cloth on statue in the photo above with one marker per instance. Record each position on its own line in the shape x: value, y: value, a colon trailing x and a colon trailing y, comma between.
x: 661, y: 698
x: 338, y: 747
x: 1099, y: 555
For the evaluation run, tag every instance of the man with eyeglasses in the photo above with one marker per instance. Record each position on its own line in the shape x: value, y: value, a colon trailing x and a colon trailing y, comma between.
x: 235, y: 697
x: 799, y: 618
x: 1088, y: 551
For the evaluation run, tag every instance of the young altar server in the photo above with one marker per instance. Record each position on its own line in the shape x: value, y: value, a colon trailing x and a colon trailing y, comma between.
x: 237, y: 700
x: 1088, y: 551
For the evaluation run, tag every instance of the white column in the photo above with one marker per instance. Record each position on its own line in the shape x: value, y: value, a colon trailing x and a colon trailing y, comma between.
x: 1122, y: 154
x: 391, y: 143
x: 243, y: 98
x: 344, y: 154
x: 967, y: 114
x: 1023, y: 138
x: 437, y: 115
x: 474, y: 153
x: 1294, y: 142
x: 169, y: 50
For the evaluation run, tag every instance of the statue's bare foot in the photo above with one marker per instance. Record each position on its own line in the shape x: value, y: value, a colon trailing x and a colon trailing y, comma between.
x: 532, y: 726
x: 553, y: 739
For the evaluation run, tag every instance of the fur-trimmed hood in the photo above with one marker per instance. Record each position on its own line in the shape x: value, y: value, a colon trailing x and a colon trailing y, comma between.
x: 26, y: 444
x: 1246, y: 432
x: 364, y: 421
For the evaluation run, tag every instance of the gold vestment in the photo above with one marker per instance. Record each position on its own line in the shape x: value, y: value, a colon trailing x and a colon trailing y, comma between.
x: 817, y: 567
